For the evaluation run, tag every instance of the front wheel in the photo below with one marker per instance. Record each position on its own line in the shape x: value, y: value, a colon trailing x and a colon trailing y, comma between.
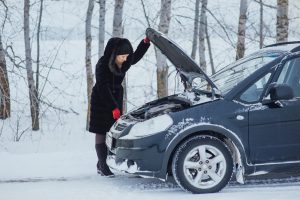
x: 202, y: 164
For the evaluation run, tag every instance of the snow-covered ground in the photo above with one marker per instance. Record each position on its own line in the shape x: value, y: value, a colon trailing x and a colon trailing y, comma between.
x: 58, y: 162
x: 96, y: 187
x: 70, y: 173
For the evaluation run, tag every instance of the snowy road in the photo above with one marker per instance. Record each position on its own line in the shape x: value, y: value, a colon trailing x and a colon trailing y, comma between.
x: 70, y: 175
x: 125, y: 188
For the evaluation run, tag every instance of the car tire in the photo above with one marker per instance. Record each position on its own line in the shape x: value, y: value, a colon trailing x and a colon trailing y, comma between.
x: 202, y: 164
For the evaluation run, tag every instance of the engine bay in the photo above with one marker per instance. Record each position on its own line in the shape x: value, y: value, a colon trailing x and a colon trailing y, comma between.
x: 168, y: 104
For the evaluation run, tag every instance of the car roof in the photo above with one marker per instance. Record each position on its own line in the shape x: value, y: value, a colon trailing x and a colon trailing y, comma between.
x: 292, y: 46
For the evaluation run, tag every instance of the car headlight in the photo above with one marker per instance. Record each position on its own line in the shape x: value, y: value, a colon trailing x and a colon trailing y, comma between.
x: 149, y: 127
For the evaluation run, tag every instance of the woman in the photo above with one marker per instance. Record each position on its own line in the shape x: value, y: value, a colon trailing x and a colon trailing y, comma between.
x: 107, y: 94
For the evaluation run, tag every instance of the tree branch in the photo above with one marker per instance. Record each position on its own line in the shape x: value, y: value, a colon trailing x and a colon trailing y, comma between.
x: 6, y: 11
x: 49, y: 104
x: 145, y: 14
x: 221, y: 25
x: 267, y: 5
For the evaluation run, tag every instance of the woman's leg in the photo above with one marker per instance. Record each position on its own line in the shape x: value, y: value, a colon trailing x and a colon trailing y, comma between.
x: 100, y: 139
x: 101, y: 150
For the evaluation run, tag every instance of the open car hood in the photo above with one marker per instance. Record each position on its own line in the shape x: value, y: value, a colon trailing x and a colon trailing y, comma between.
x: 185, y: 65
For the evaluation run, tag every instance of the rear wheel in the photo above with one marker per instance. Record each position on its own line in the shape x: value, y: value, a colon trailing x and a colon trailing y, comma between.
x: 202, y: 164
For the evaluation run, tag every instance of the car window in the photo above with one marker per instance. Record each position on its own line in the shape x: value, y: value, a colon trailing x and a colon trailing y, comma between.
x: 253, y: 93
x: 290, y: 75
x: 229, y: 77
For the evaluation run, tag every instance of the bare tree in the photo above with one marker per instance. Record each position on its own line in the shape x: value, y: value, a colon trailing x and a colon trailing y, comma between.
x: 196, y: 29
x: 4, y: 85
x: 282, y: 25
x: 266, y: 5
x: 4, y: 82
x: 3, y: 2
x: 33, y: 96
x: 261, y: 20
x: 88, y: 57
x: 162, y: 68
x: 213, y: 71
x: 225, y: 28
x: 202, y: 35
x: 101, y: 38
x: 240, y: 50
x: 118, y: 32
x: 145, y: 13
x: 261, y: 24
x: 38, y: 47
x: 118, y: 18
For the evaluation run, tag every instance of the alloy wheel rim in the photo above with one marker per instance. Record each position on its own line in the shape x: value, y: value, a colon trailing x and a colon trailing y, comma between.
x: 204, y: 166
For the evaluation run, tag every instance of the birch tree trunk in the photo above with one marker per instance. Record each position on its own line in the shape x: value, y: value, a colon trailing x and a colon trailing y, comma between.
x: 261, y: 25
x: 282, y: 25
x: 240, y: 50
x: 213, y: 71
x: 88, y: 57
x: 196, y: 29
x: 33, y: 96
x: 118, y: 18
x: 38, y: 47
x: 4, y: 85
x: 118, y: 32
x: 101, y: 38
x: 202, y: 35
x: 162, y: 68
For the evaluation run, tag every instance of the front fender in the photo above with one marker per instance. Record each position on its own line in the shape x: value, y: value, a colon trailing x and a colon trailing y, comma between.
x: 198, y: 128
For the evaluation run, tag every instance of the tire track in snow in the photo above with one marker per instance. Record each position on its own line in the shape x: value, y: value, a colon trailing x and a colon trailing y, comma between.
x: 43, y: 179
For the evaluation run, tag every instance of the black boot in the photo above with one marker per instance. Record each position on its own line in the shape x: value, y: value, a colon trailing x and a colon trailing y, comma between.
x: 102, y: 167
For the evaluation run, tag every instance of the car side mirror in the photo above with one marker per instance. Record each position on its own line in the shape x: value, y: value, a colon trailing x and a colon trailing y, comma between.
x: 279, y: 92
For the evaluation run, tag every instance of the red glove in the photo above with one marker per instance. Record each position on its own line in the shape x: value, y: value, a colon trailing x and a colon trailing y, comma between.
x: 116, y: 113
x: 146, y: 40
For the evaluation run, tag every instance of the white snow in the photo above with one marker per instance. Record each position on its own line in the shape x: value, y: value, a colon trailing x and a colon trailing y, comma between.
x: 121, y: 167
x: 71, y: 174
x: 52, y: 176
x: 259, y: 173
x: 186, y: 124
x: 174, y: 129
x: 49, y: 169
x: 59, y: 161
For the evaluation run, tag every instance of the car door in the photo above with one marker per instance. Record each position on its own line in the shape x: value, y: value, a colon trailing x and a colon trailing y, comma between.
x: 274, y: 131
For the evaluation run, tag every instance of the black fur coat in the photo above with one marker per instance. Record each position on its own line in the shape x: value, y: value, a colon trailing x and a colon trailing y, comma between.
x: 107, y: 93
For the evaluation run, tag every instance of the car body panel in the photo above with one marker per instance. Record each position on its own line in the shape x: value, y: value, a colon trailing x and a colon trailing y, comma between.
x: 183, y: 63
x: 282, y: 144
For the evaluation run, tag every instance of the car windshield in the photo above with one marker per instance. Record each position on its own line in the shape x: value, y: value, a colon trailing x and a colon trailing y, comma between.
x: 231, y: 75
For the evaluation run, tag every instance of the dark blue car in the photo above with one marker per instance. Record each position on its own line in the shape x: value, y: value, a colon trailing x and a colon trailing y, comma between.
x: 244, y: 120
